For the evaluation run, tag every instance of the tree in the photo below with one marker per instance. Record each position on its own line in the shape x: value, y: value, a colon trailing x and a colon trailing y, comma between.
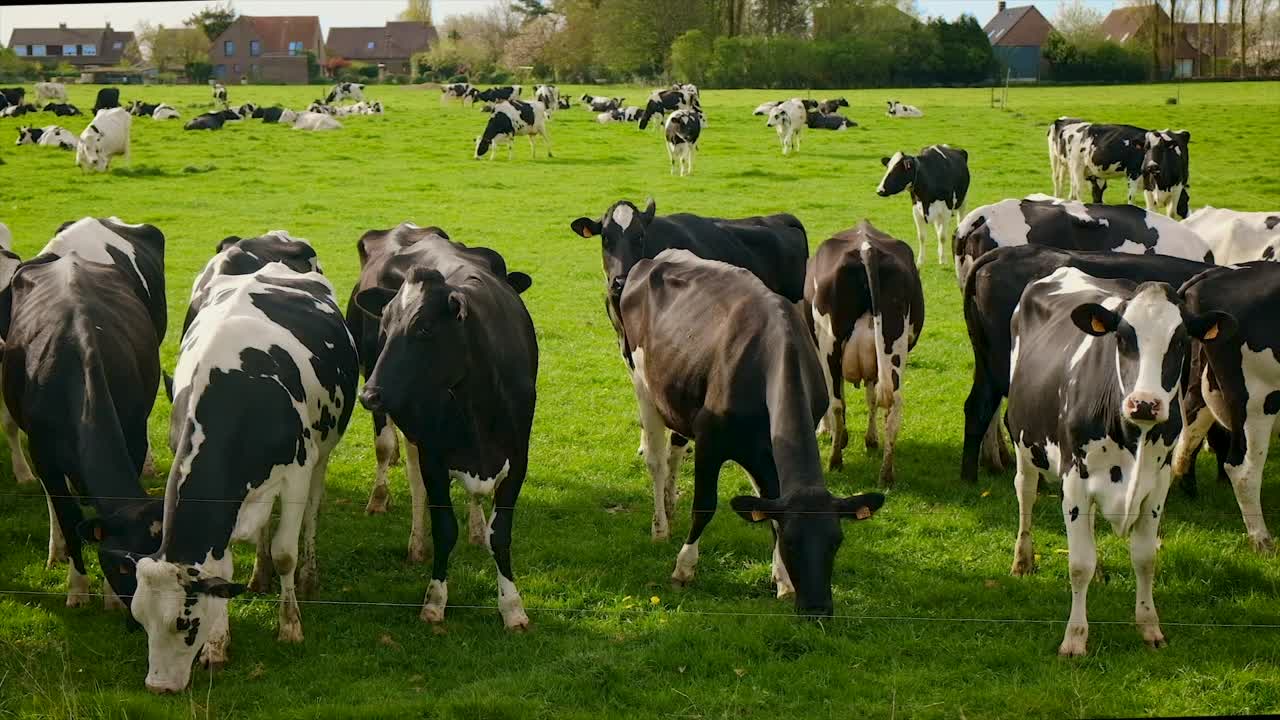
x: 214, y: 19
x: 417, y: 11
x: 170, y: 49
x: 1243, y: 6
x: 1216, y: 33
x: 529, y: 47
x: 691, y: 56
x: 531, y: 9
x: 778, y: 17
x: 1078, y: 22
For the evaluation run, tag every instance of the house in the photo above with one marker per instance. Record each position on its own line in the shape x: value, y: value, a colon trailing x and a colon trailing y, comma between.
x: 1017, y: 35
x: 392, y: 45
x: 267, y: 49
x: 85, y: 48
x: 1133, y: 24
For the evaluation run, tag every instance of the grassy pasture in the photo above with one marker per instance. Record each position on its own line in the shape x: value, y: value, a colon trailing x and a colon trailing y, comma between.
x: 929, y: 622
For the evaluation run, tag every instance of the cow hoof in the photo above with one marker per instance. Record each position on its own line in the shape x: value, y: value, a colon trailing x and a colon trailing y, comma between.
x: 417, y: 555
x: 1153, y: 637
x: 433, y: 614
x: 785, y: 590
x: 379, y: 501
x: 1072, y: 648
x: 517, y: 622
x: 1264, y: 546
x: 75, y: 600
x: 886, y: 476
x: 660, y: 534
x: 291, y: 633
x: 836, y: 463
x: 1023, y: 566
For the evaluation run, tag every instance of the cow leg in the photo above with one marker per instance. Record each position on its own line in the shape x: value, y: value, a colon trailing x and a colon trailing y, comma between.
x: 940, y: 229
x: 872, y: 439
x: 217, y: 647
x: 444, y: 535
x: 1196, y: 424
x: 499, y: 542
x: 1143, y: 543
x: 546, y: 137
x: 1027, y: 485
x: 418, y: 495
x: 1246, y: 477
x: 980, y: 413
x: 917, y: 216
x: 533, y: 148
x: 995, y: 454
x: 263, y: 568
x: 386, y: 447
x: 1099, y: 187
x: 679, y: 448
x: 1077, y: 514
x: 1132, y: 188
x: 294, y: 505
x: 764, y: 474
x: 308, y: 570
x: 110, y: 600
x: 892, y: 423
x: 656, y: 454
x: 707, y: 461
x: 57, y: 543
x: 21, y: 470
x: 64, y: 512
x: 831, y: 354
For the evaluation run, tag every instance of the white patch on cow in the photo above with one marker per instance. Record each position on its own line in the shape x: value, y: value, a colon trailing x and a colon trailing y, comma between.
x: 686, y: 563
x: 6, y: 237
x: 893, y: 163
x: 89, y: 239
x: 510, y: 605
x: 1154, y: 320
x: 477, y: 486
x: 622, y: 215
x: 1235, y: 236
x: 104, y: 138
x: 433, y: 605
x: 655, y: 444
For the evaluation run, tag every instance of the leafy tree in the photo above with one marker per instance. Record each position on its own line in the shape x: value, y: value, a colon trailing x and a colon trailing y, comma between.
x: 1078, y: 22
x: 417, y: 11
x: 531, y: 9
x: 170, y: 49
x: 780, y: 17
x: 214, y: 19
x: 691, y: 56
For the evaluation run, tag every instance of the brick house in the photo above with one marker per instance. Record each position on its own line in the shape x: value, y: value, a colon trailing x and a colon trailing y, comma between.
x: 1133, y: 24
x: 84, y: 48
x: 392, y: 45
x: 267, y: 49
x: 1017, y: 36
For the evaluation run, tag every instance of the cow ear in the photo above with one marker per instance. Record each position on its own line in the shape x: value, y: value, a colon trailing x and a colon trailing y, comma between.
x: 756, y: 509
x: 586, y: 227
x: 859, y: 507
x: 458, y: 305
x: 884, y: 161
x: 907, y: 163
x: 650, y: 208
x: 226, y: 242
x: 1212, y: 326
x: 519, y: 281
x: 373, y: 300
x: 1184, y: 136
x: 217, y: 587
x: 1094, y: 319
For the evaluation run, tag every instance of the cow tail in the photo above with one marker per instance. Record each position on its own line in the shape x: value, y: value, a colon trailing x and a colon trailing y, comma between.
x: 884, y: 372
x: 168, y: 385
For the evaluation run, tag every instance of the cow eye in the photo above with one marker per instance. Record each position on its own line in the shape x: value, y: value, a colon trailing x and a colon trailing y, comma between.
x: 425, y: 332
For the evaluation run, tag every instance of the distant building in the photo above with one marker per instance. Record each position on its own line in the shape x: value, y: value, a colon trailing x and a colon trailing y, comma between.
x: 1017, y: 36
x: 1190, y: 58
x: 392, y: 45
x: 84, y: 48
x: 267, y: 49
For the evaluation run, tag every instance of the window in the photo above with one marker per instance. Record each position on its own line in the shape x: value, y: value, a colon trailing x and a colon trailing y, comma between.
x: 117, y: 45
x: 229, y: 48
x: 89, y: 50
x: 255, y: 48
x: 371, y: 45
x: 220, y: 71
x: 295, y: 47
x: 21, y: 50
x: 68, y: 49
x: 37, y: 51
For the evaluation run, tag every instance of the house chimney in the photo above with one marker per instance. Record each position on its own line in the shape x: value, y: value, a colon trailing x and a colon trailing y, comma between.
x: 108, y: 24
x: 1000, y: 6
x: 62, y: 26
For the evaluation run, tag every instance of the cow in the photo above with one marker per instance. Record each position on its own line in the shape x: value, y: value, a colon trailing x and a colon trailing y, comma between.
x: 48, y: 91
x: 1165, y: 172
x: 80, y: 371
x: 165, y: 112
x: 697, y: 323
x: 788, y: 119
x: 509, y: 119
x: 9, y: 263
x: 991, y: 293
x: 774, y: 248
x: 1059, y: 153
x: 1070, y: 225
x: 273, y: 115
x: 315, y: 121
x: 496, y: 94
x: 6, y: 239
x: 764, y: 107
x: 629, y: 114
x: 682, y: 130
x: 564, y: 103
x: 51, y: 136
x: 106, y: 137
x: 246, y: 111
x: 863, y: 290
x: 1094, y: 391
x: 345, y: 91
x: 205, y: 121
x: 464, y: 398
x: 456, y: 91
x: 14, y: 95
x: 549, y: 96
x: 220, y: 94
x: 1237, y: 237
x: 319, y: 107
x: 1097, y: 153
x: 18, y: 110
x: 599, y: 103
x: 832, y: 121
x: 665, y: 102
x: 138, y: 108
x: 1240, y: 383
x: 899, y: 110
x: 832, y: 106
x: 108, y: 98
x: 263, y: 390
x: 938, y: 179
x: 63, y: 109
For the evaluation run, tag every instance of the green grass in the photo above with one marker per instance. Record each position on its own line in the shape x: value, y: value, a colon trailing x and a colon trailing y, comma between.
x: 939, y: 552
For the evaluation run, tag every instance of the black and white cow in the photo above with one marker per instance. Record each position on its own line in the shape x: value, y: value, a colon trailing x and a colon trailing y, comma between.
x: 665, y: 102
x: 345, y: 91
x: 496, y: 94
x: 18, y: 110
x: 1165, y: 172
x: 549, y: 96
x: 80, y: 373
x: 263, y: 390
x: 1240, y: 383
x: 457, y: 372
x: 764, y: 107
x: 138, y: 108
x: 1070, y: 225
x: 991, y: 293
x: 788, y: 119
x: 276, y: 114
x: 165, y: 112
x: 832, y: 121
x: 63, y: 109
x: 220, y: 94
x: 1097, y: 153
x: 456, y: 91
x: 319, y: 107
x: 938, y: 179
x: 1059, y: 153
x: 246, y: 111
x: 510, y: 119
x: 683, y: 127
x: 1237, y: 237
x: 599, y: 103
x: 9, y: 262
x: 696, y: 323
x: 629, y: 114
x: 774, y: 248
x: 14, y: 95
x: 107, y: 99
x: 1094, y: 402
x: 832, y: 106
x: 51, y: 136
x: 205, y: 121
x: 899, y: 110
x: 864, y: 291
x: 106, y: 137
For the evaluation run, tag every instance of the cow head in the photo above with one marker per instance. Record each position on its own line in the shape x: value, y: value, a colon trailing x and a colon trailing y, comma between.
x: 26, y: 136
x: 1153, y: 331
x: 175, y: 604
x: 123, y: 536
x: 807, y: 522
x: 839, y: 102
x: 1164, y: 163
x: 779, y: 117
x: 900, y: 172
x: 621, y: 234
x: 655, y: 106
x: 89, y: 155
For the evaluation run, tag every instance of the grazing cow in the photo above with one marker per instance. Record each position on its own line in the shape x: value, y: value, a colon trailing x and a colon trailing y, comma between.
x: 1066, y: 224
x: 510, y: 119
x: 220, y: 94
x: 696, y: 323
x: 1165, y: 174
x: 764, y: 107
x: 106, y: 137
x: 107, y: 99
x: 665, y: 102
x: 14, y: 95
x: 263, y: 390
x: 774, y: 248
x: 991, y: 293
x: 1059, y: 153
x: 315, y: 121
x: 1095, y: 385
x: 1240, y: 383
x: 48, y: 91
x: 1096, y: 153
x: 832, y: 106
x: 205, y: 121
x: 832, y: 121
x: 63, y: 109
x: 496, y: 94
x: 456, y: 91
x: 868, y: 312
x: 938, y: 179
x: 788, y: 119
x: 899, y: 110
x: 682, y: 130
x: 599, y: 104
x: 165, y: 112
x: 1237, y: 237
x: 81, y: 368
x: 464, y: 399
x: 345, y: 91
x: 51, y: 136
x: 549, y: 96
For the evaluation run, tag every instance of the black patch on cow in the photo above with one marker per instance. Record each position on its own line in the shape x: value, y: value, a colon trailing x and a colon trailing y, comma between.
x: 1075, y: 513
x: 1272, y: 222
x: 1269, y: 252
x: 896, y: 380
x: 1039, y: 457
x: 1271, y: 405
x: 896, y: 360
x: 679, y: 440
x: 191, y: 627
x: 1116, y: 474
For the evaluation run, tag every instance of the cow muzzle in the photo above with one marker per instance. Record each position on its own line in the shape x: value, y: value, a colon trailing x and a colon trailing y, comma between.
x: 1151, y: 168
x: 371, y: 399
x: 1145, y: 408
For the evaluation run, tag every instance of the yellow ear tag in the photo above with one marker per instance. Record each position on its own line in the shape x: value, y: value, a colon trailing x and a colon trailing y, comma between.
x: 758, y: 516
x: 1098, y: 326
x: 1213, y: 332
x: 863, y: 512
x: 586, y: 232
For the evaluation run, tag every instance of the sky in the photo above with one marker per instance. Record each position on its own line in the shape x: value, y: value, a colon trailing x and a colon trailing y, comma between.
x: 348, y: 13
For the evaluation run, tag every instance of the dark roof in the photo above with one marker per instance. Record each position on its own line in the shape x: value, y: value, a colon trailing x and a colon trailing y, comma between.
x: 104, y: 40
x: 277, y: 32
x: 1122, y: 24
x: 395, y: 40
x: 1018, y: 26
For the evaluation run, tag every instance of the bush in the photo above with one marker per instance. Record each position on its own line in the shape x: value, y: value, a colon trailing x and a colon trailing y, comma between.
x: 397, y: 79
x: 691, y: 55
x: 198, y: 72
x: 366, y: 72
x: 1101, y: 60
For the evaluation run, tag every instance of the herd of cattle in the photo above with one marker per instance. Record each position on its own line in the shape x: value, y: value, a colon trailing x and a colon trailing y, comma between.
x: 1119, y: 337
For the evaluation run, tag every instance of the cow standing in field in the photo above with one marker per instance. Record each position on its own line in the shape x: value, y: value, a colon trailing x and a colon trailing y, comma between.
x: 509, y: 119
x: 1097, y: 153
x: 456, y: 91
x: 106, y: 137
x: 549, y: 96
x: 1094, y: 402
x: 788, y: 119
x: 345, y: 91
x: 868, y: 312
x: 9, y: 262
x: 50, y: 91
x: 683, y: 127
x: 696, y: 323
x: 51, y: 136
x: 1059, y: 153
x: 1237, y: 237
x: 14, y: 95
x: 1166, y: 177
x: 938, y: 179
x: 220, y: 95
x: 108, y: 98
x: 665, y: 102
x: 774, y: 248
x: 464, y: 398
